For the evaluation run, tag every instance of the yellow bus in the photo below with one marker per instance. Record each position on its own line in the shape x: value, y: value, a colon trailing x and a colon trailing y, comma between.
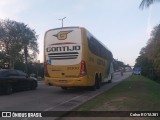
x: 73, y: 57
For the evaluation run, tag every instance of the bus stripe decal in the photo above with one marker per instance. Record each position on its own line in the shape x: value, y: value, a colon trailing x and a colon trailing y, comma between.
x: 62, y: 53
x: 63, y: 58
x: 63, y: 43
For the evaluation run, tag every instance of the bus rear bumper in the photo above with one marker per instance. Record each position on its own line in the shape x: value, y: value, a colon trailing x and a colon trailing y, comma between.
x: 69, y: 82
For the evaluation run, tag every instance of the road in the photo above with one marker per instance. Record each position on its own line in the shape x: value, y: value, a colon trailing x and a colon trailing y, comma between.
x: 50, y: 98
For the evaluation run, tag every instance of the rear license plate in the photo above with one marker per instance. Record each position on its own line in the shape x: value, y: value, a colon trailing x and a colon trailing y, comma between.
x: 63, y: 81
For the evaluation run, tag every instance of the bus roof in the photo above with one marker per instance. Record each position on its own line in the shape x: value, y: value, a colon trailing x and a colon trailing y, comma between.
x: 80, y: 28
x: 64, y: 28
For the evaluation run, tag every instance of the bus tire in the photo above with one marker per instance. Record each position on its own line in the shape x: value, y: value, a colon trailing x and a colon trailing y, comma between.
x: 98, y: 82
x: 93, y: 88
x: 110, y: 81
x: 64, y: 88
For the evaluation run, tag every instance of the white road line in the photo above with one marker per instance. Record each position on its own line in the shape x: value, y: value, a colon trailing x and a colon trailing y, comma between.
x: 48, y: 109
x: 62, y: 103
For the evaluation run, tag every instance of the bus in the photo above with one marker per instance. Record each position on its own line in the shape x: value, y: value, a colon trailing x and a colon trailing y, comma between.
x: 73, y: 57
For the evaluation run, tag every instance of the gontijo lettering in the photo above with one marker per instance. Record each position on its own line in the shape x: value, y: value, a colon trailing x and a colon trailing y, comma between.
x: 63, y: 48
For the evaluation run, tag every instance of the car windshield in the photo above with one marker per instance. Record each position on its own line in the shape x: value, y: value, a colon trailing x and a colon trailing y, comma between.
x: 21, y: 73
x: 3, y: 72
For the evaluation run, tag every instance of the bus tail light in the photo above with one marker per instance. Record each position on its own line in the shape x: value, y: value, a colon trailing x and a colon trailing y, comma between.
x: 83, y: 69
x: 45, y: 70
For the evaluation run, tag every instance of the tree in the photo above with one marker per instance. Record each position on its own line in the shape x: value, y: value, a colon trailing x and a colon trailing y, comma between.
x: 149, y: 59
x: 10, y: 39
x: 147, y: 3
x: 117, y: 65
x: 29, y: 43
x: 20, y: 41
x: 153, y: 49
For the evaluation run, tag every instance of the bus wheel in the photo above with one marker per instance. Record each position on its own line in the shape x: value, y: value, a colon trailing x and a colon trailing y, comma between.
x: 64, y: 88
x: 96, y: 85
x: 98, y: 82
x: 93, y: 88
x: 109, y: 81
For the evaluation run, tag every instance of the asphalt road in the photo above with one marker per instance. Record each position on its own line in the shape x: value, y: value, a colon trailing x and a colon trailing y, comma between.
x: 50, y: 98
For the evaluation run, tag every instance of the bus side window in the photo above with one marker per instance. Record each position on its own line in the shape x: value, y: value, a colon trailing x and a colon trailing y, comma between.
x: 96, y: 48
x: 91, y: 44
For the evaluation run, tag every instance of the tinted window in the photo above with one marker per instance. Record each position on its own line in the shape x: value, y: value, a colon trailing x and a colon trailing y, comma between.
x: 96, y: 48
x: 2, y: 73
x: 20, y: 73
x: 12, y: 73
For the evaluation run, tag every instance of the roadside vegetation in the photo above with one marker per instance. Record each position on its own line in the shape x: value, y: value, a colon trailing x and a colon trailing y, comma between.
x: 137, y: 93
x: 147, y: 3
x: 149, y: 58
x: 18, y: 47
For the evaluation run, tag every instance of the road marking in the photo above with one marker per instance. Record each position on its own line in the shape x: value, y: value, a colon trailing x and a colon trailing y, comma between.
x: 48, y: 109
x: 63, y: 102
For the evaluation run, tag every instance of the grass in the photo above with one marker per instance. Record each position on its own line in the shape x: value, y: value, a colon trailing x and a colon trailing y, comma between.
x: 136, y: 93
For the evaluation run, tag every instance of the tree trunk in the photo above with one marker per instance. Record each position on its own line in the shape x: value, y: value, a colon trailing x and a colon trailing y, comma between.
x: 26, y: 60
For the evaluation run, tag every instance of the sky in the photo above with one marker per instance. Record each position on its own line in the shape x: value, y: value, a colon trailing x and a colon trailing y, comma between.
x: 119, y: 24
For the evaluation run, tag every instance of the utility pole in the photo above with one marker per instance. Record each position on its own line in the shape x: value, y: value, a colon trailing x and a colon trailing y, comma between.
x: 62, y: 20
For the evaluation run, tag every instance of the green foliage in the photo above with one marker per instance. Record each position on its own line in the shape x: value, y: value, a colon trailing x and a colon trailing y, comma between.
x: 147, y: 3
x: 149, y: 59
x: 20, y: 42
x: 117, y: 65
x: 33, y: 68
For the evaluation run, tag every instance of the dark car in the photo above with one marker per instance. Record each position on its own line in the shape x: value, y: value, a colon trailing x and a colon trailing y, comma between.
x: 12, y: 80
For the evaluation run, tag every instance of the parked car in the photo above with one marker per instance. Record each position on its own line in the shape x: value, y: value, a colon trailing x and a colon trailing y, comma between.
x: 12, y: 80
